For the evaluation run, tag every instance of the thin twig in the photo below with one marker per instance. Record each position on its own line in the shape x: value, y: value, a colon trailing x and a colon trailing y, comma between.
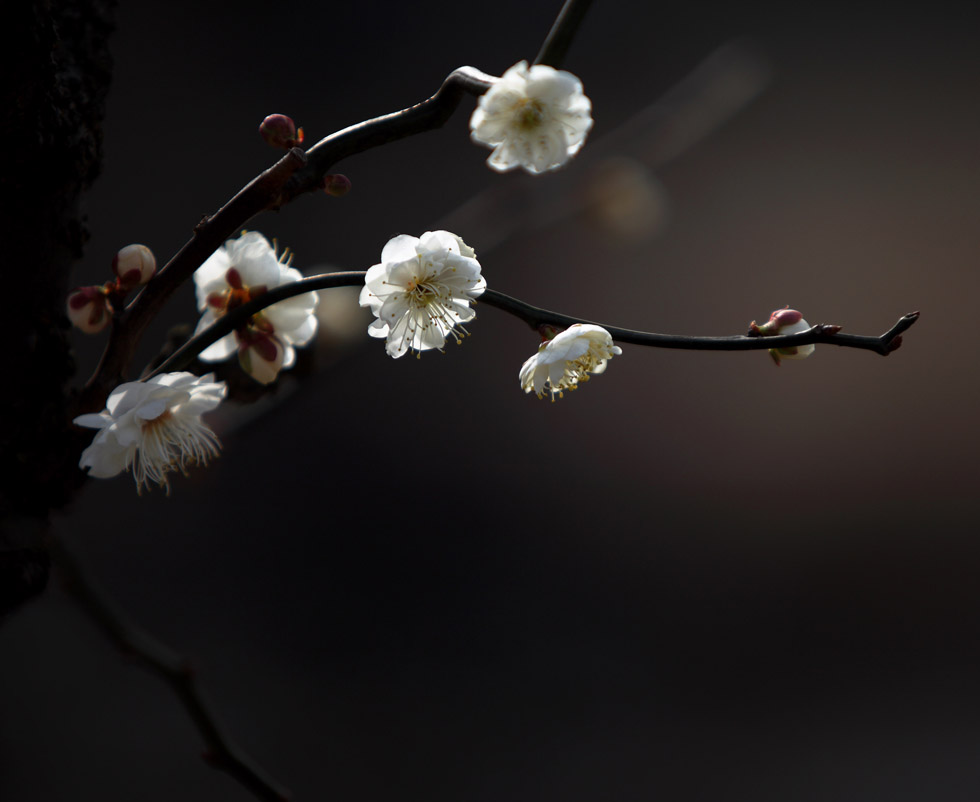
x: 536, y: 318
x: 425, y: 116
x: 828, y: 334
x: 222, y: 752
x: 562, y: 32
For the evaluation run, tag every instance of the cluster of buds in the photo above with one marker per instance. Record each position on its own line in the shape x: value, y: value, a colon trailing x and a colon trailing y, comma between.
x: 91, y: 308
x: 784, y: 321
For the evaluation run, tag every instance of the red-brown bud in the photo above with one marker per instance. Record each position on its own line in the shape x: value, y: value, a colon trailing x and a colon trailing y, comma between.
x: 336, y: 185
x: 280, y: 131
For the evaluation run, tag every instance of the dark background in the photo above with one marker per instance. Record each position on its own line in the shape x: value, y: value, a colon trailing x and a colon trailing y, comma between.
x: 697, y: 578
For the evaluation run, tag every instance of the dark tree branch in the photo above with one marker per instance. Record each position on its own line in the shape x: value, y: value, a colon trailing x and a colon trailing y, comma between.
x: 536, y: 318
x: 425, y: 116
x: 51, y: 116
x: 562, y: 32
x: 296, y: 173
x: 222, y: 752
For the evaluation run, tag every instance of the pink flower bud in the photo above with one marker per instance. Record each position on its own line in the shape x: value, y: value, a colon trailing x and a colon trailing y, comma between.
x: 785, y: 317
x: 336, y: 185
x: 89, y: 309
x: 134, y: 265
x: 782, y: 321
x: 280, y: 131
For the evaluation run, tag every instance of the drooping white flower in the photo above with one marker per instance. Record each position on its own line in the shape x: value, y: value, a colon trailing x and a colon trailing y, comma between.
x: 421, y: 291
x: 153, y: 428
x: 533, y: 117
x: 566, y: 360
x: 239, y: 271
x: 785, y: 321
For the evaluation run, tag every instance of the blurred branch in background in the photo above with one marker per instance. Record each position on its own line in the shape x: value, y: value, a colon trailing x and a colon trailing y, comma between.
x: 222, y: 752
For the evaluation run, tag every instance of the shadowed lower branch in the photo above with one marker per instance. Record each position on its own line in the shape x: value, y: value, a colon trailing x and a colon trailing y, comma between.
x: 222, y: 752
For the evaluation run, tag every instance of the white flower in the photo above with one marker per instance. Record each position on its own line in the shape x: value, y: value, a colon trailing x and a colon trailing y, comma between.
x: 238, y: 272
x: 153, y: 428
x: 421, y: 291
x: 561, y: 363
x: 536, y: 118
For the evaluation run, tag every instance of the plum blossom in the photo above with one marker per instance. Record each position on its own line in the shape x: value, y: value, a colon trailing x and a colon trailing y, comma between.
x: 152, y: 428
x: 238, y: 272
x: 421, y: 291
x: 533, y: 117
x: 566, y: 360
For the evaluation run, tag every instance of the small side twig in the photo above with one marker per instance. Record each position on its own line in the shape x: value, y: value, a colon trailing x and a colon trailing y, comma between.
x: 222, y: 752
x: 536, y: 318
x: 425, y: 116
x: 828, y: 334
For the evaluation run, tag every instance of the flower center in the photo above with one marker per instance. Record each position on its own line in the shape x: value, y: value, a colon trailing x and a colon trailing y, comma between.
x: 171, y: 442
x: 422, y: 293
x: 529, y: 115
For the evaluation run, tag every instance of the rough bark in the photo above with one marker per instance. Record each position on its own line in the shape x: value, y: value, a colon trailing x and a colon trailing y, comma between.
x: 52, y: 112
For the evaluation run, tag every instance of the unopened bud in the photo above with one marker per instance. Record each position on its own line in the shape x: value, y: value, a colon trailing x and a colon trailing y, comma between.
x: 89, y: 309
x: 280, y: 131
x: 134, y: 265
x: 784, y: 321
x: 336, y: 185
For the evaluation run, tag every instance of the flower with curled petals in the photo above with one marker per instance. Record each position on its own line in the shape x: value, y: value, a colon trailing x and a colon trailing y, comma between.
x: 533, y: 117
x: 567, y: 359
x: 238, y: 272
x: 421, y: 291
x: 153, y: 428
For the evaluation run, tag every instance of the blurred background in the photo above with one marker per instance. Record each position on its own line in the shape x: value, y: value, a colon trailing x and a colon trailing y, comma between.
x: 700, y: 576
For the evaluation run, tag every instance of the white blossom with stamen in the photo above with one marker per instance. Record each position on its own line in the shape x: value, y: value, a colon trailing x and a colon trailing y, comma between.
x: 153, y: 428
x: 421, y: 291
x: 566, y: 360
